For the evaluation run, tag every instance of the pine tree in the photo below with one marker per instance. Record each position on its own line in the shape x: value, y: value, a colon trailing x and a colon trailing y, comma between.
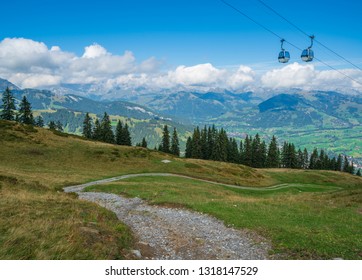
x: 144, y: 143
x: 25, y: 113
x: 87, y: 126
x: 175, y: 145
x: 305, y: 158
x: 313, y: 159
x: 8, y: 106
x: 300, y: 159
x: 52, y: 125
x: 97, y: 131
x: 273, y: 157
x: 211, y: 138
x: 107, y: 134
x: 127, y: 136
x: 241, y: 152
x: 284, y: 155
x: 333, y: 164
x: 247, y: 151
x: 255, y: 152
x: 119, y: 133
x: 359, y: 172
x: 39, y: 121
x: 339, y: 165
x: 220, y: 150
x: 204, y: 144
x: 196, y: 144
x: 346, y: 164
x: 263, y: 154
x: 188, y: 151
x: 232, y: 151
x: 165, y: 140
x: 59, y: 126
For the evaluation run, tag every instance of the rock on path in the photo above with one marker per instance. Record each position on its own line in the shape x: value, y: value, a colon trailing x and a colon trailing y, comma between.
x: 169, y: 233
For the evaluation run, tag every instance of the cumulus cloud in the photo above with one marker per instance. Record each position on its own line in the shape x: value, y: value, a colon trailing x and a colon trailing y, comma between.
x: 198, y: 75
x: 94, y: 50
x: 29, y: 63
x: 292, y: 75
x: 307, y: 77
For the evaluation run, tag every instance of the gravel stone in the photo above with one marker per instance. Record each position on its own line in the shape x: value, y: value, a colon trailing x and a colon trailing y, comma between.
x: 176, y: 234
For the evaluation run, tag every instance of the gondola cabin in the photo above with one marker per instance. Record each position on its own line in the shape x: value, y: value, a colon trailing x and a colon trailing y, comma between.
x: 284, y: 56
x: 307, y: 55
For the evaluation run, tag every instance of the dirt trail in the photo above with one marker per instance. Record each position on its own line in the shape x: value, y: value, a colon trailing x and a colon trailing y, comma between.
x: 171, y: 233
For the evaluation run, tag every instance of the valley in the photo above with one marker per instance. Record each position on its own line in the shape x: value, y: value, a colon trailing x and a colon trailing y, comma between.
x: 40, y: 221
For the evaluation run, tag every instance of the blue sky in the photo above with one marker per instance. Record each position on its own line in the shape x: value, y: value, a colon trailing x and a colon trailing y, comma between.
x: 190, y: 32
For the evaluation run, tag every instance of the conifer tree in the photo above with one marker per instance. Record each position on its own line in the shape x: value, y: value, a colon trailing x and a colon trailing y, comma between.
x: 204, y: 144
x: 346, y: 164
x: 300, y: 159
x: 359, y: 172
x: 232, y: 151
x: 97, y: 131
x: 241, y: 152
x: 221, y: 143
x: 188, y: 151
x: 119, y: 133
x: 144, y: 143
x: 196, y: 144
x: 165, y: 140
x: 8, y: 106
x: 107, y: 134
x: 127, y: 136
x: 313, y: 159
x: 333, y: 164
x: 59, y: 126
x: 339, y: 164
x: 255, y: 152
x: 211, y: 138
x: 247, y: 151
x: 273, y: 157
x: 284, y: 155
x: 25, y: 113
x: 262, y: 154
x: 175, y: 145
x: 305, y: 158
x: 87, y: 126
x: 39, y: 121
x: 52, y: 125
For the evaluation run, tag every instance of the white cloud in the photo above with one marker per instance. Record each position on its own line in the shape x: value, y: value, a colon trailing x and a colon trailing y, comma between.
x: 94, y: 50
x: 292, y: 75
x: 28, y: 63
x: 42, y: 66
x: 308, y: 78
x: 198, y: 75
x: 243, y: 77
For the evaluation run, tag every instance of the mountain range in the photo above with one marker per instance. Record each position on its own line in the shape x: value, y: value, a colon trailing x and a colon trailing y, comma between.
x: 314, y: 119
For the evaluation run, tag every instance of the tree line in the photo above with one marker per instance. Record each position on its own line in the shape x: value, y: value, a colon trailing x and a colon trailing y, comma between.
x: 24, y: 114
x: 101, y: 130
x: 210, y: 143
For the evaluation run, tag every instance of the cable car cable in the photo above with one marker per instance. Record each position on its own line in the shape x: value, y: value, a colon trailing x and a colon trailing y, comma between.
x: 275, y: 34
x: 302, y: 31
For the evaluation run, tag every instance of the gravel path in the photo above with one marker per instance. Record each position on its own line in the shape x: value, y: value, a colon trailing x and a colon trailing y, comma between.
x: 170, y: 233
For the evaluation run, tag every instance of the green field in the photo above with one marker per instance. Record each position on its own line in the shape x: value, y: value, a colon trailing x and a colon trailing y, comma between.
x: 303, y: 221
x: 310, y: 220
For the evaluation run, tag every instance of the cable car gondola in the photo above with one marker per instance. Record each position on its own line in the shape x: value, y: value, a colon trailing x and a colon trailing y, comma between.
x: 284, y: 55
x: 308, y: 54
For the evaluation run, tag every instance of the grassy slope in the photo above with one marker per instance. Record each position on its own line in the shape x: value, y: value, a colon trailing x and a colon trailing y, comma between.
x: 313, y: 222
x: 37, y: 222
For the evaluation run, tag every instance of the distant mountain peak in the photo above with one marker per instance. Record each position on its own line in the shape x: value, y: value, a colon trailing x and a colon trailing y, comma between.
x: 5, y: 83
x: 280, y: 102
